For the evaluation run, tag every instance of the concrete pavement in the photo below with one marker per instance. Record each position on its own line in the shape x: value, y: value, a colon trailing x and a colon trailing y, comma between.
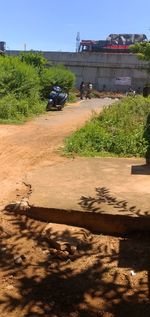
x: 108, y: 195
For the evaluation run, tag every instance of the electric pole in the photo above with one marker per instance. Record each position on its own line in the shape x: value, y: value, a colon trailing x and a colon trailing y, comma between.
x: 77, y: 41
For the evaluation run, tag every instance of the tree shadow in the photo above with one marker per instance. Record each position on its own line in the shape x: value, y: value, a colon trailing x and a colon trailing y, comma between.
x: 104, y: 199
x: 97, y: 282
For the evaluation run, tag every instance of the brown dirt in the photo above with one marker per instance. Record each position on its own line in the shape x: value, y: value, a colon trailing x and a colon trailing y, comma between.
x: 108, y: 276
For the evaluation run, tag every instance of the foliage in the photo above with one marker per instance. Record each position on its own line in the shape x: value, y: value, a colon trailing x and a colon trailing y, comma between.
x: 71, y: 97
x: 18, y: 78
x: 142, y: 50
x: 18, y: 110
x: 19, y: 90
x: 24, y: 80
x: 35, y: 59
x: 121, y: 130
x: 56, y: 76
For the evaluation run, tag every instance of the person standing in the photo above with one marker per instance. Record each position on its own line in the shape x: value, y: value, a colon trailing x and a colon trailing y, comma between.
x: 82, y: 90
x: 89, y: 90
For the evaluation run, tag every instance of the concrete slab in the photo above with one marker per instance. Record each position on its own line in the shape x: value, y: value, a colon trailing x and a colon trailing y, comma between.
x: 93, y: 187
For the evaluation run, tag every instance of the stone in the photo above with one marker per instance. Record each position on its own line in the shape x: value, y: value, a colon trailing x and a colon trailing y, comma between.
x: 19, y: 259
x: 3, y: 249
x: 62, y: 254
x: 21, y: 205
x: 66, y: 238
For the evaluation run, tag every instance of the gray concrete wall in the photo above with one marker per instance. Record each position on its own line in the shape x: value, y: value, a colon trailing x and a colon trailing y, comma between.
x: 101, y: 68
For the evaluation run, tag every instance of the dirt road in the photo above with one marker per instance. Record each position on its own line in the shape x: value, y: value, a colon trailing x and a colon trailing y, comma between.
x: 23, y: 147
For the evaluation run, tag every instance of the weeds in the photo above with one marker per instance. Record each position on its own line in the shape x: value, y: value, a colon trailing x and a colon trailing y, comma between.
x: 118, y: 131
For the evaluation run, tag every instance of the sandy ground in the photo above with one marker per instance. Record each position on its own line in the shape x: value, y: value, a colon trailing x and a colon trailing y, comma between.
x: 107, y: 276
x: 35, y: 143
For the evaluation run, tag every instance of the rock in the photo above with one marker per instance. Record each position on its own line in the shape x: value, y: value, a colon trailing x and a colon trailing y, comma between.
x: 63, y: 247
x: 63, y: 254
x: 3, y: 249
x: 132, y: 273
x: 24, y: 205
x: 18, y: 260
x: 66, y: 238
x: 21, y: 205
x: 72, y: 249
x: 53, y: 251
x: 45, y: 251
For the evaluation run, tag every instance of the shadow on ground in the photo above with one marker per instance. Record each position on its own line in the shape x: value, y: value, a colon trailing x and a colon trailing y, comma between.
x: 104, y: 198
x: 140, y: 169
x: 96, y: 282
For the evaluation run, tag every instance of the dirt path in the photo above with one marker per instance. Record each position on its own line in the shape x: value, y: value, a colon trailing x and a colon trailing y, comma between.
x: 24, y: 147
x: 107, y: 276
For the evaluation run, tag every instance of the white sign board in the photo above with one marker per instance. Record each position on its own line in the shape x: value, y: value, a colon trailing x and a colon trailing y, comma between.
x: 123, y: 81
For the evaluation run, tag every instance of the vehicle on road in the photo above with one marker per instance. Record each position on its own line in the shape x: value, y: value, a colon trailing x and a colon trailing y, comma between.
x: 57, y: 99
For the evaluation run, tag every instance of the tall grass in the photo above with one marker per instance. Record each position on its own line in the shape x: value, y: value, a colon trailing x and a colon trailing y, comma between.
x: 18, y: 110
x: 120, y: 130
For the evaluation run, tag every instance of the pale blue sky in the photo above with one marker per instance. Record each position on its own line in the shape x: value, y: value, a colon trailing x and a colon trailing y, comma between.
x: 50, y: 25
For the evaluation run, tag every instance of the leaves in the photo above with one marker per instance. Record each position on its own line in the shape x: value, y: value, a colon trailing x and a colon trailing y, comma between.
x: 142, y: 50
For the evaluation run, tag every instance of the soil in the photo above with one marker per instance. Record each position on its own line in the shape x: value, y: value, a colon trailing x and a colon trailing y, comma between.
x: 107, y: 276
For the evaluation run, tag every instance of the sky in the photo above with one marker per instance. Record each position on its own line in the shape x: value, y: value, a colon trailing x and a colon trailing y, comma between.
x: 52, y: 25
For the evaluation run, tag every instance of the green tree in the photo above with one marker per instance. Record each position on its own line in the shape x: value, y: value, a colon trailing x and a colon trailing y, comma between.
x: 142, y: 50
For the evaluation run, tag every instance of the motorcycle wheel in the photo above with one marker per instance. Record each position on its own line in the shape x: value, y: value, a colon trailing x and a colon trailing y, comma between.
x: 59, y: 108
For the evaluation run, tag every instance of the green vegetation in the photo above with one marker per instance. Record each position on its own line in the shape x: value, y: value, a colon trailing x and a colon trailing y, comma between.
x: 18, y: 78
x: 142, y: 50
x: 25, y: 83
x: 16, y: 110
x: 120, y: 130
x: 56, y: 76
x: 34, y: 59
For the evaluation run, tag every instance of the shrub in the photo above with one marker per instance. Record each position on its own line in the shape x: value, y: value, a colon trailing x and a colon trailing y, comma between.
x: 35, y: 59
x: 13, y: 110
x: 18, y: 78
x: 121, y: 129
x: 23, y: 80
x: 56, y: 76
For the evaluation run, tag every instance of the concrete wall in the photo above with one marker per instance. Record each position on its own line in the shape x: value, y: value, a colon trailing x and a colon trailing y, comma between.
x: 101, y: 69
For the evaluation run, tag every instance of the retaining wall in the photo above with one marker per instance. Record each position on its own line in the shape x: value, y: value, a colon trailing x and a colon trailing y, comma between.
x: 116, y: 72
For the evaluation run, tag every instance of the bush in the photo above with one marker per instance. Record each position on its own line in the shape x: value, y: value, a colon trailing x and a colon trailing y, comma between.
x: 121, y: 129
x: 56, y: 76
x: 23, y: 81
x: 35, y: 59
x: 13, y: 110
x: 18, y: 78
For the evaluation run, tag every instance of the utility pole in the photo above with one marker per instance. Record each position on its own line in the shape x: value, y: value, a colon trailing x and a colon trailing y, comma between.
x: 77, y: 41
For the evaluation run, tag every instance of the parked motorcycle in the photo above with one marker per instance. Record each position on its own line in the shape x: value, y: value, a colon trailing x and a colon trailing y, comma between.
x: 57, y: 99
